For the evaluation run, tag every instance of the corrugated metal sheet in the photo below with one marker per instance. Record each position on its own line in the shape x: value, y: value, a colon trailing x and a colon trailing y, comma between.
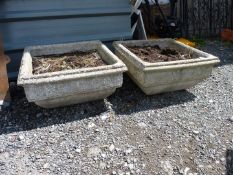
x: 35, y: 22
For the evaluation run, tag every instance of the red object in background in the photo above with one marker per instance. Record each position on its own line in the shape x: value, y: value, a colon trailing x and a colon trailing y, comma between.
x: 227, y: 34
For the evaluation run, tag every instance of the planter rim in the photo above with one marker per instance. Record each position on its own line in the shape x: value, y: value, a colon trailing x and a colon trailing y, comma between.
x: 181, y: 66
x: 26, y: 78
x: 164, y: 65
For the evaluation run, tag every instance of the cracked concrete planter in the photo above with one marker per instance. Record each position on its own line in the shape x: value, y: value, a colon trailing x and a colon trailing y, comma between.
x: 69, y: 87
x: 155, y: 78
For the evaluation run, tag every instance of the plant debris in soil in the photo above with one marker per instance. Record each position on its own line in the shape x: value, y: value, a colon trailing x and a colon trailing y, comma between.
x: 67, y: 61
x: 154, y: 54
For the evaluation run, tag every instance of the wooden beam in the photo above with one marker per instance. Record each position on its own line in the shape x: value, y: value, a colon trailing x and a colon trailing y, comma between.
x: 4, y: 84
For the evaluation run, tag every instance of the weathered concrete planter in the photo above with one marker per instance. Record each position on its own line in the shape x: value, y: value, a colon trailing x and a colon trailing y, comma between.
x: 154, y: 78
x: 64, y: 88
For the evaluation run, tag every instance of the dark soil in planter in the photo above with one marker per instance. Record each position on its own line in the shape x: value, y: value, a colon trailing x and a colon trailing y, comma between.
x: 67, y: 61
x: 154, y: 54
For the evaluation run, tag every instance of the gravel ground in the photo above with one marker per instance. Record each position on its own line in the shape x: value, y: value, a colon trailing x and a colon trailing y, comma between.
x: 187, y: 132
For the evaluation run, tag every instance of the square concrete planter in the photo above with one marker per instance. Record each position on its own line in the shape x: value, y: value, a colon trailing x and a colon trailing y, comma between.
x: 155, y: 78
x: 68, y: 87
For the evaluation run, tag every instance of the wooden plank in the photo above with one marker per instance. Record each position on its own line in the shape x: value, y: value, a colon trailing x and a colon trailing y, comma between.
x: 4, y: 85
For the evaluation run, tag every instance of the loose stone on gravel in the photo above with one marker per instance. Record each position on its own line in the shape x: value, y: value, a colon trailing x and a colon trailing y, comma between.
x: 114, y: 173
x: 231, y: 118
x: 78, y: 150
x: 104, y: 117
x: 91, y: 125
x: 142, y: 125
x: 195, y: 132
x: 167, y: 167
x: 39, y: 115
x: 111, y: 148
x: 103, y: 165
x: 46, y: 166
x: 131, y: 166
x: 21, y: 137
x: 128, y: 151
x: 93, y: 152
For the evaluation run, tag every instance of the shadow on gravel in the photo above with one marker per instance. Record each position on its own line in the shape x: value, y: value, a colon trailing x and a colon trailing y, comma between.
x: 27, y: 116
x: 229, y: 162
x: 130, y: 99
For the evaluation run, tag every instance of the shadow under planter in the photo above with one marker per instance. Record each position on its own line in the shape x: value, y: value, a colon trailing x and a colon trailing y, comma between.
x: 25, y: 116
x: 229, y: 162
x: 74, y: 86
x: 160, y: 77
x: 130, y: 99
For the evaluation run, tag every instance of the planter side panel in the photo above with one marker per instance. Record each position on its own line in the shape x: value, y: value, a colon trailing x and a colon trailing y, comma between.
x: 172, y: 76
x: 75, y: 98
x: 133, y: 70
x: 69, y: 87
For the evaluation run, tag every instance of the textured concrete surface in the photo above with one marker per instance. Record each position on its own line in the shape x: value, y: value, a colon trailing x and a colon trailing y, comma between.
x: 156, y: 78
x: 64, y: 88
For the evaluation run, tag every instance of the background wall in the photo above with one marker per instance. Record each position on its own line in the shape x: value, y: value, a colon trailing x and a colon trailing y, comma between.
x: 205, y: 18
x: 29, y: 22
